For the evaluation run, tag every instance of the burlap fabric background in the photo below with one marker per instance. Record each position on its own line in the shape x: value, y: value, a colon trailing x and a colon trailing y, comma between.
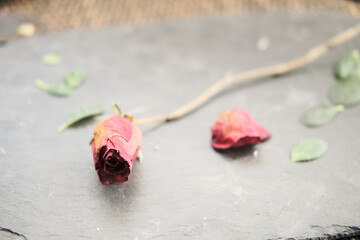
x: 56, y: 15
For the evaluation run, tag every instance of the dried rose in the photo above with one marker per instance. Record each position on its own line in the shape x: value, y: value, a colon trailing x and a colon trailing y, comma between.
x: 115, y: 148
x: 236, y: 128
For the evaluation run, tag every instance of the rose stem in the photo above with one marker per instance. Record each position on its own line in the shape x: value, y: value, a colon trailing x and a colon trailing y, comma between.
x: 276, y: 70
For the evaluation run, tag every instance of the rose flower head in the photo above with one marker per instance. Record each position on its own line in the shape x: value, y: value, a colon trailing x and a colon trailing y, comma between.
x: 236, y: 128
x: 115, y: 147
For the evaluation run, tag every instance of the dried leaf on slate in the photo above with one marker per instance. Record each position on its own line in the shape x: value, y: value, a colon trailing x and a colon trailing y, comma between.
x: 58, y: 89
x: 308, y: 149
x: 320, y: 115
x: 346, y: 92
x: 74, y: 78
x: 80, y: 113
x: 51, y: 58
x: 349, y: 66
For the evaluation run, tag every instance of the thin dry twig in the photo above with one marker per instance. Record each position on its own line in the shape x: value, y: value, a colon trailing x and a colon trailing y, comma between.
x: 276, y: 70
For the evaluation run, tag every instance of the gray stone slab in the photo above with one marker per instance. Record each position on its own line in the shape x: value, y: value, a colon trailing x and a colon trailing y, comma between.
x: 185, y: 189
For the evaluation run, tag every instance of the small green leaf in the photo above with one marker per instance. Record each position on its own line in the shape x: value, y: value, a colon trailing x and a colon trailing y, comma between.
x: 320, y: 115
x: 346, y: 92
x: 51, y: 58
x: 308, y: 149
x: 58, y: 89
x: 74, y: 78
x: 349, y: 66
x: 80, y: 113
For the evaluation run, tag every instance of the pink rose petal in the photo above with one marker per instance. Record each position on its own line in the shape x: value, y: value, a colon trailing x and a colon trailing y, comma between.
x: 236, y: 128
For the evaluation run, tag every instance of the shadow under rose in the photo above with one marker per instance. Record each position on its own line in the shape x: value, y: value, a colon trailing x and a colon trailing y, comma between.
x: 117, y: 199
x: 244, y: 153
x: 119, y: 193
x: 115, y: 203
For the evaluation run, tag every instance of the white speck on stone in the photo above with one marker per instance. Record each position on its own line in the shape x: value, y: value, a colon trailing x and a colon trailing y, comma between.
x: 155, y: 223
x: 3, y: 150
x: 51, y: 192
x: 156, y: 147
x: 263, y: 43
x: 146, y: 235
x: 22, y: 124
x: 256, y: 153
x: 238, y: 192
x: 97, y: 229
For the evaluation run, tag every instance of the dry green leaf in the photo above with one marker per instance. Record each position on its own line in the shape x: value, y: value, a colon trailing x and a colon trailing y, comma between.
x: 349, y: 66
x: 308, y: 149
x: 320, y: 115
x: 51, y: 58
x: 58, y: 89
x: 80, y: 113
x: 74, y: 78
x: 346, y: 92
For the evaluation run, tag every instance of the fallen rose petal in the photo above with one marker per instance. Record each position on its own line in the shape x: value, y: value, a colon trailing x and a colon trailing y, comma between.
x: 236, y: 128
x: 115, y: 148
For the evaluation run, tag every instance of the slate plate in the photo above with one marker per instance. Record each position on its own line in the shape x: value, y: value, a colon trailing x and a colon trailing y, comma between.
x: 184, y: 189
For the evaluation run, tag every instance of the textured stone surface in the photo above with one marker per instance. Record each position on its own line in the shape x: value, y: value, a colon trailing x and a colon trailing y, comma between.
x: 183, y: 189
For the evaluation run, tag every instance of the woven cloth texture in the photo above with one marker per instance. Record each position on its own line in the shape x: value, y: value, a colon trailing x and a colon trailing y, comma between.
x: 56, y: 15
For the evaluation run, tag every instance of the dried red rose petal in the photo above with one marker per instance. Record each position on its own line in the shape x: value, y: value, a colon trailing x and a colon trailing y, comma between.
x: 115, y: 148
x: 236, y: 128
